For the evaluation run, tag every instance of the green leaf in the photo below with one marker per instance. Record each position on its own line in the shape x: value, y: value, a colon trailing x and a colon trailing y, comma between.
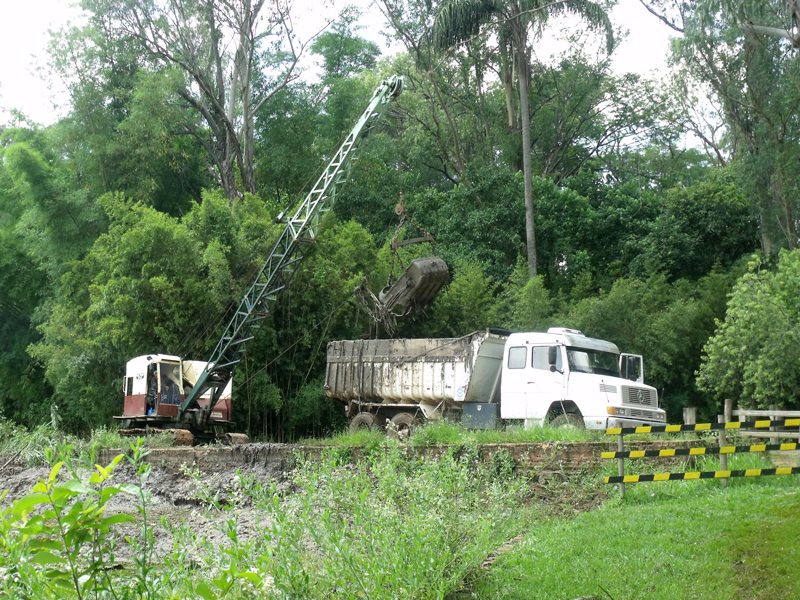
x: 250, y: 576
x: 29, y: 500
x: 205, y: 591
x: 129, y: 489
x: 45, y: 544
x: 114, y: 462
x: 45, y: 557
x: 120, y: 518
x: 61, y: 492
x: 54, y: 472
x: 77, y: 486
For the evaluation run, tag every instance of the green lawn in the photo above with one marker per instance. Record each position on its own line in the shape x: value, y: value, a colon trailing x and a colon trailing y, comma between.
x: 666, y: 541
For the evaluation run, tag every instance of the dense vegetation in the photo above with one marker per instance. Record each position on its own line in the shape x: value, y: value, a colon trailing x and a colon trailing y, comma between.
x: 640, y: 215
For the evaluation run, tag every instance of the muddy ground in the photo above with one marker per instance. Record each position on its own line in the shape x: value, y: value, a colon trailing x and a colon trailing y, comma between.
x: 176, y: 497
x: 183, y: 481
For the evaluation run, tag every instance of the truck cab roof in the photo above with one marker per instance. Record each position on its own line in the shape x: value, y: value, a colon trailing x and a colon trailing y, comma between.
x: 562, y: 336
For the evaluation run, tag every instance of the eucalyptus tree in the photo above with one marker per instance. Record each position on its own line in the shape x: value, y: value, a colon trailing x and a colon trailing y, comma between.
x: 746, y: 51
x: 459, y: 21
x: 412, y: 23
x: 216, y: 48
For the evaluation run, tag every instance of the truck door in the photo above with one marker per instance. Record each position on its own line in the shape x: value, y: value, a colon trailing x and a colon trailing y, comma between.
x: 545, y: 385
x: 513, y: 385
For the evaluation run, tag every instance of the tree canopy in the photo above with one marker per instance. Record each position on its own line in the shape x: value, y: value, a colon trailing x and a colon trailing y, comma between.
x: 660, y: 215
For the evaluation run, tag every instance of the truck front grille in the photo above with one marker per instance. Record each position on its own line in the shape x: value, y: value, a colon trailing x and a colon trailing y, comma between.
x: 634, y: 396
x: 643, y: 414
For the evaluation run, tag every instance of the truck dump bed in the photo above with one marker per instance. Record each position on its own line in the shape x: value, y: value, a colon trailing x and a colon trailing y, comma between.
x: 435, y: 373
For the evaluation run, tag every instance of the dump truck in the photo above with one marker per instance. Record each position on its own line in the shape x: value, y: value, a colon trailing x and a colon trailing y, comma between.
x: 560, y: 377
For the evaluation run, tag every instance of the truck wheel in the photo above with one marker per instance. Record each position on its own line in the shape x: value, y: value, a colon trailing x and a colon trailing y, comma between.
x: 363, y: 420
x: 568, y: 420
x: 401, y: 426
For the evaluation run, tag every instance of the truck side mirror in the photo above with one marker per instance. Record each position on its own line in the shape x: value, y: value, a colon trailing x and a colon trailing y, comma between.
x: 552, y: 359
x: 631, y: 368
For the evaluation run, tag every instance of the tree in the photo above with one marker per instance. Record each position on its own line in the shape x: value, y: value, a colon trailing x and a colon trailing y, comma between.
x: 430, y: 84
x: 120, y: 132
x: 467, y: 304
x: 343, y: 53
x: 217, y: 48
x: 460, y: 20
x: 738, y: 47
x: 754, y: 356
x: 24, y: 286
x: 710, y: 223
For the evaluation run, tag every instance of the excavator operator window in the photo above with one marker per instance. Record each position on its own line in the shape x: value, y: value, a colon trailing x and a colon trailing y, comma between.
x: 170, y: 389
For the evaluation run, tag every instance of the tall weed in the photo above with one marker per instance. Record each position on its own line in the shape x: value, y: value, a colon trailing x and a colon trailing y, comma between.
x: 390, y: 528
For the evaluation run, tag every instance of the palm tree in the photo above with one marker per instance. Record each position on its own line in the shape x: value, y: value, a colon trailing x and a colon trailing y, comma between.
x: 461, y: 20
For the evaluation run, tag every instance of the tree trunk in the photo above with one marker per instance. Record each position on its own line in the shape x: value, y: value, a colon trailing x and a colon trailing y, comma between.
x: 227, y: 178
x: 508, y: 85
x: 456, y: 144
x: 527, y: 168
x: 784, y: 203
x: 507, y: 73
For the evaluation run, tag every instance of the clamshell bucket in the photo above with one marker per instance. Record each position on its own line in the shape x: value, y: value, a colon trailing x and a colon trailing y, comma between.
x: 417, y: 286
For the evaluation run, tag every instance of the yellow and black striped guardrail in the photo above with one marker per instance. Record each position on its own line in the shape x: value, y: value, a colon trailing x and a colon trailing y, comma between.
x: 702, y: 475
x: 700, y: 451
x: 765, y: 424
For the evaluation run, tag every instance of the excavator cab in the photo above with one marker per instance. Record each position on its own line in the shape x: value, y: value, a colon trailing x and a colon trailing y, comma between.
x: 153, y: 386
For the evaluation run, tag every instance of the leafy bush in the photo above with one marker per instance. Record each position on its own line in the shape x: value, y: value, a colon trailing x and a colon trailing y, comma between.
x: 754, y: 357
x: 56, y: 540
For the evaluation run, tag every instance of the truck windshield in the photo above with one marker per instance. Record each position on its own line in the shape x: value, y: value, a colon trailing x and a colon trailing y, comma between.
x: 582, y: 360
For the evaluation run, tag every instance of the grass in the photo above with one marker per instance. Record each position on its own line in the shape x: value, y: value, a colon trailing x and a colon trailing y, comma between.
x: 433, y: 433
x: 384, y: 528
x: 687, y: 539
x: 29, y: 447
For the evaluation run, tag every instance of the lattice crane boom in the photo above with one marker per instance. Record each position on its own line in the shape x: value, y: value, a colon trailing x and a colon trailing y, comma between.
x: 301, y: 228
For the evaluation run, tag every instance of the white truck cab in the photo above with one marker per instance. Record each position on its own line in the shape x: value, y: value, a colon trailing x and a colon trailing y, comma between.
x: 564, y: 376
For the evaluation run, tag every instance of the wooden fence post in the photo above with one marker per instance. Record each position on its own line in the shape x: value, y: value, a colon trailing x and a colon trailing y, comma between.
x: 773, y: 440
x: 723, y: 441
x: 690, y: 415
x: 728, y: 410
x: 621, y: 465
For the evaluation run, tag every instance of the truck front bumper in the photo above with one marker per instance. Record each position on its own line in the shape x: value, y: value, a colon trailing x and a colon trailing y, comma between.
x: 613, y: 422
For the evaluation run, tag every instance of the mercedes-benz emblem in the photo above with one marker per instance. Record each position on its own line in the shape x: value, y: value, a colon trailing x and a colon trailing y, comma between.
x: 639, y: 395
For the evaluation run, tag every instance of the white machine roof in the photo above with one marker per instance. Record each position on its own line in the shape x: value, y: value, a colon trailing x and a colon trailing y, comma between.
x: 153, y: 358
x: 562, y: 335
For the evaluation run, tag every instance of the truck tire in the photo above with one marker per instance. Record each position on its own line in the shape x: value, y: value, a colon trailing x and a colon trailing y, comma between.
x: 401, y: 426
x: 568, y: 420
x: 363, y: 420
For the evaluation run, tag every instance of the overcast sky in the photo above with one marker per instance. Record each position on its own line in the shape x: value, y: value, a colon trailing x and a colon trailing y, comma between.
x: 26, y: 25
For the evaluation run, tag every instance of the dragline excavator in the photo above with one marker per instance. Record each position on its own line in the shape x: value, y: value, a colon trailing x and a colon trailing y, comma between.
x: 193, y: 398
